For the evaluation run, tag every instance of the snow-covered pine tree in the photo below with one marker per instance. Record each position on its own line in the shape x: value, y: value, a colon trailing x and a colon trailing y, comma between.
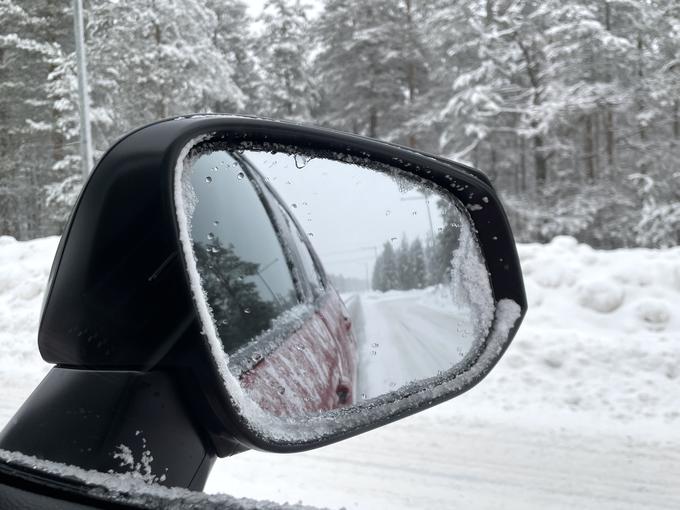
x: 283, y: 50
x: 38, y: 146
x: 153, y: 59
x: 234, y: 39
x: 361, y: 71
x: 419, y: 272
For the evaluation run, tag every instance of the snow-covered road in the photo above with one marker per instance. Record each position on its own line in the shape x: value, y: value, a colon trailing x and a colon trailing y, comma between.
x: 583, y: 411
x: 402, y: 338
x: 437, y: 461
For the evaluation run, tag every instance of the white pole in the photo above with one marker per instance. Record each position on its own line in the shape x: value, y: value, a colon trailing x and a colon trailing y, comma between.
x: 83, y: 98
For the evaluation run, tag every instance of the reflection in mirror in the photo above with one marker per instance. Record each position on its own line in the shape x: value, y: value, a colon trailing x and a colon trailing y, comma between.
x: 331, y: 282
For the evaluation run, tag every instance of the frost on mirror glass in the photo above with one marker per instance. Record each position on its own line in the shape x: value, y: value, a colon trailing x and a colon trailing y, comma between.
x: 328, y: 284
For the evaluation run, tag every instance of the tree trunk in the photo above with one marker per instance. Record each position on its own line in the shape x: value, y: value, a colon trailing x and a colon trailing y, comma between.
x: 489, y: 11
x: 522, y: 164
x: 641, y: 74
x: 492, y: 164
x: 607, y: 16
x: 373, y: 123
x: 589, y: 148
x: 540, y: 161
x: 609, y: 137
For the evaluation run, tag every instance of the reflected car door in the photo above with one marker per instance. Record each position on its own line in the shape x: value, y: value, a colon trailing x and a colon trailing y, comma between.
x: 310, y: 364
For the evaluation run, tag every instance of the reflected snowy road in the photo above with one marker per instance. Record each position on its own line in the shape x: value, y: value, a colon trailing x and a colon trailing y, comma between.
x: 403, y: 336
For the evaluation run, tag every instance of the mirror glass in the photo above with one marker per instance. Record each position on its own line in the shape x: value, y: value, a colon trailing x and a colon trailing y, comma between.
x: 327, y: 281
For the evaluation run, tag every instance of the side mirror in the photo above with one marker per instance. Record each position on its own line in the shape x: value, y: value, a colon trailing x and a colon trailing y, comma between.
x: 285, y: 286
x: 418, y: 319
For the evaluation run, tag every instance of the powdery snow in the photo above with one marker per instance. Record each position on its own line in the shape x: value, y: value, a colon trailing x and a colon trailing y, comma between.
x: 24, y: 269
x: 583, y: 410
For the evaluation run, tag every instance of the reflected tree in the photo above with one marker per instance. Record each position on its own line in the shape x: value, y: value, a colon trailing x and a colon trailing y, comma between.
x: 238, y: 307
x: 445, y: 243
x: 419, y: 270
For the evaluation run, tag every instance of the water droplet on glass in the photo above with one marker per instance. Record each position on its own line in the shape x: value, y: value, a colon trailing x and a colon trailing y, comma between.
x: 213, y: 249
x: 246, y: 311
x: 388, y: 212
x: 363, y: 396
x: 224, y: 322
x: 414, y: 213
x: 300, y: 161
x: 294, y: 206
x: 281, y: 390
x: 240, y: 176
x: 214, y: 169
x: 375, y: 345
x: 393, y: 384
x: 256, y: 357
x: 211, y: 236
x: 208, y: 179
x: 393, y: 239
x: 310, y: 234
x: 300, y: 347
x: 373, y: 353
x: 216, y: 222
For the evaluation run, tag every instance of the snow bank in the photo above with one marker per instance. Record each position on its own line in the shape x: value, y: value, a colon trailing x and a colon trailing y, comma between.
x: 598, y: 357
x: 24, y: 269
x: 601, y: 338
x: 600, y: 346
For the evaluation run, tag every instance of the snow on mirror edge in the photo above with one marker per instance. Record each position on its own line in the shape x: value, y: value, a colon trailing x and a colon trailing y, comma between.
x: 468, y: 283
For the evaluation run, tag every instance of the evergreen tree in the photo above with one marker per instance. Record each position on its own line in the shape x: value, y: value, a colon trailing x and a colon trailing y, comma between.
x: 378, y: 280
x: 234, y: 39
x: 404, y: 265
x: 36, y: 113
x: 153, y: 59
x: 364, y: 77
x: 446, y: 241
x: 285, y: 90
x: 419, y: 273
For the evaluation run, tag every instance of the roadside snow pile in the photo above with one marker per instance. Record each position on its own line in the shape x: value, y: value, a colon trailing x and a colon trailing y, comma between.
x: 24, y: 269
x: 600, y: 345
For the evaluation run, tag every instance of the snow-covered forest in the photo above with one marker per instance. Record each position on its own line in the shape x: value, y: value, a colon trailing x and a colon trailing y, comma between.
x: 572, y: 107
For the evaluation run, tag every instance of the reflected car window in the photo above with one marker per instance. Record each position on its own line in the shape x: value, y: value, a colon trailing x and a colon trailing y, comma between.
x: 308, y: 266
x: 244, y: 272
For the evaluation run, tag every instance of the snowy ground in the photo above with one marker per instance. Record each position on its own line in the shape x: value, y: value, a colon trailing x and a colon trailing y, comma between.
x: 405, y: 336
x: 583, y: 410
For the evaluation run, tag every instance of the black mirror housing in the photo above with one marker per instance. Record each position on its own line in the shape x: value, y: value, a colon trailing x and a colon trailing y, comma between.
x: 119, y: 297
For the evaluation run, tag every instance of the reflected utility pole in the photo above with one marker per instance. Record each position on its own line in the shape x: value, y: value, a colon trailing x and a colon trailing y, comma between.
x: 86, y: 159
x: 429, y: 214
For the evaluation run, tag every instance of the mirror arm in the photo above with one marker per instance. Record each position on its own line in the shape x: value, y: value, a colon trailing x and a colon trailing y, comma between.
x: 111, y: 421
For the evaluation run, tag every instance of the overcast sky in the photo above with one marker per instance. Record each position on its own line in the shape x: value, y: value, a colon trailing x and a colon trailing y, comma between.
x: 348, y: 211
